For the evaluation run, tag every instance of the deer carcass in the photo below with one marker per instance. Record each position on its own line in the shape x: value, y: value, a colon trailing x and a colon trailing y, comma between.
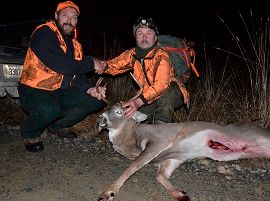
x: 170, y: 144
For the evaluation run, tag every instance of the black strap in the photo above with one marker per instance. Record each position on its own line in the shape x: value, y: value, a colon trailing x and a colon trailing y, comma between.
x: 134, y: 58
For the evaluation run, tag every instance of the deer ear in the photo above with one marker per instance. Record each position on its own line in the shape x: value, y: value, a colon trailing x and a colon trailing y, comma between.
x: 139, y: 116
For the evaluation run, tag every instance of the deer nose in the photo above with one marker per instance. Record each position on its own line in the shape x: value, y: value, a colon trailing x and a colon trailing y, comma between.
x: 102, y: 121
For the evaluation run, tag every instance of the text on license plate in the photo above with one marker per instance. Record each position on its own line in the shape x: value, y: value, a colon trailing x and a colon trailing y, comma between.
x: 12, y: 70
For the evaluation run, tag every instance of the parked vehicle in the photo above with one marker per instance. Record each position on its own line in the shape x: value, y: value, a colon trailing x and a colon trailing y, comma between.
x: 14, y: 38
x: 11, y: 60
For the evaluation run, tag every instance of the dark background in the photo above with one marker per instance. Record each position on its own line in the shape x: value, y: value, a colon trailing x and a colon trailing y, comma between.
x: 102, y: 22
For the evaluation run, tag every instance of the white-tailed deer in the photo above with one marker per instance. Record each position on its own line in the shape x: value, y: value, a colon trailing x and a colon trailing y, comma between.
x: 170, y: 144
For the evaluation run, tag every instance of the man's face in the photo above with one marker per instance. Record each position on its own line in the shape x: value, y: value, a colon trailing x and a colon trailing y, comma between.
x: 145, y: 37
x: 67, y: 20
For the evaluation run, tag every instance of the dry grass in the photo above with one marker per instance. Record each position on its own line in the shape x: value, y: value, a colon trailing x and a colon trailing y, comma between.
x: 232, y: 93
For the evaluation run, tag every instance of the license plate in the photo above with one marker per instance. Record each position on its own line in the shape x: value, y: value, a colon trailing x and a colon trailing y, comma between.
x: 12, y: 70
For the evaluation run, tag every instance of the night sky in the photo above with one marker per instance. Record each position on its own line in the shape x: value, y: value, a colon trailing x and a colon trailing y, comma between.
x: 198, y: 22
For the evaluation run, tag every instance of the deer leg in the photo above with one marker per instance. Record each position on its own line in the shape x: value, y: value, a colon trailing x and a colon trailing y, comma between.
x: 164, y: 172
x: 150, y: 152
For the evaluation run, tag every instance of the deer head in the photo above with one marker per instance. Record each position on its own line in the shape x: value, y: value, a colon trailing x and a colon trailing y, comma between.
x: 114, y: 118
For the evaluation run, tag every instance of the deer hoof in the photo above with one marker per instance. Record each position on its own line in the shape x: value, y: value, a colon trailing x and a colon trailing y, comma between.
x: 180, y: 196
x: 184, y: 198
x: 107, y: 196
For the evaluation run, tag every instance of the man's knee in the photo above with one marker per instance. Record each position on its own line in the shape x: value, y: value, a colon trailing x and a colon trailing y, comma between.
x: 93, y: 105
x: 173, y: 98
x: 165, y: 114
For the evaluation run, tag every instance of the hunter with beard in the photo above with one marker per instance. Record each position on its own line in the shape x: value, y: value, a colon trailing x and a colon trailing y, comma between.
x: 54, y: 89
x: 152, y: 68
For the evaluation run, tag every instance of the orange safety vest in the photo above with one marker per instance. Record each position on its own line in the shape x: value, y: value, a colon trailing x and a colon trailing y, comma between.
x: 36, y: 74
x: 155, y: 78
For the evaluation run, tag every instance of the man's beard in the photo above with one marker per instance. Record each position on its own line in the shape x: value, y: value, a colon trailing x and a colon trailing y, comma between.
x: 63, y: 32
x: 145, y: 44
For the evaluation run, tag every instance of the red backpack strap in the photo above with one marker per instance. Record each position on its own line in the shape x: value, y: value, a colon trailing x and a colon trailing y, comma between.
x: 183, y: 52
x: 173, y: 49
x: 192, y: 62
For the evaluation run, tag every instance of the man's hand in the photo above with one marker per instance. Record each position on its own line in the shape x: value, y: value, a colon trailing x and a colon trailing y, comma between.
x: 131, y: 107
x: 100, y: 66
x: 99, y: 93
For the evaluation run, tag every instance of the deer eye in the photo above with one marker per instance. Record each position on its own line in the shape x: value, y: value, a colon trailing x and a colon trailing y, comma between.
x: 119, y: 112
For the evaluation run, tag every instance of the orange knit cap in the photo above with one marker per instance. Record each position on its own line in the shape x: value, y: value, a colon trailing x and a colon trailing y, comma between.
x: 66, y: 4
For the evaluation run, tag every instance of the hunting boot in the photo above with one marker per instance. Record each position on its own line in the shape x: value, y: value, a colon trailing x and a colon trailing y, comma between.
x: 33, y: 145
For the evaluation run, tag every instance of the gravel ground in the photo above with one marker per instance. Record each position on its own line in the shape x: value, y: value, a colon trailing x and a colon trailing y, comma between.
x: 81, y: 169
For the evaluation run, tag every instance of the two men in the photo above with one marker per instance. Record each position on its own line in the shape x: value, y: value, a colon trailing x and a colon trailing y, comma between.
x: 55, y: 91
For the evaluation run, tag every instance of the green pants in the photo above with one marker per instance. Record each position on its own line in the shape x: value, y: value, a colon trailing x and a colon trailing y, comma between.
x: 162, y: 109
x: 60, y: 109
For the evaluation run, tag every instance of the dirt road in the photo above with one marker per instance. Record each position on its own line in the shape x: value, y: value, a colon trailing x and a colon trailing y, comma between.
x: 80, y: 170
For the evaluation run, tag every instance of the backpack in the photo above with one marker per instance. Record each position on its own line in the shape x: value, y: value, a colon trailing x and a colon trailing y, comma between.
x: 181, y: 55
